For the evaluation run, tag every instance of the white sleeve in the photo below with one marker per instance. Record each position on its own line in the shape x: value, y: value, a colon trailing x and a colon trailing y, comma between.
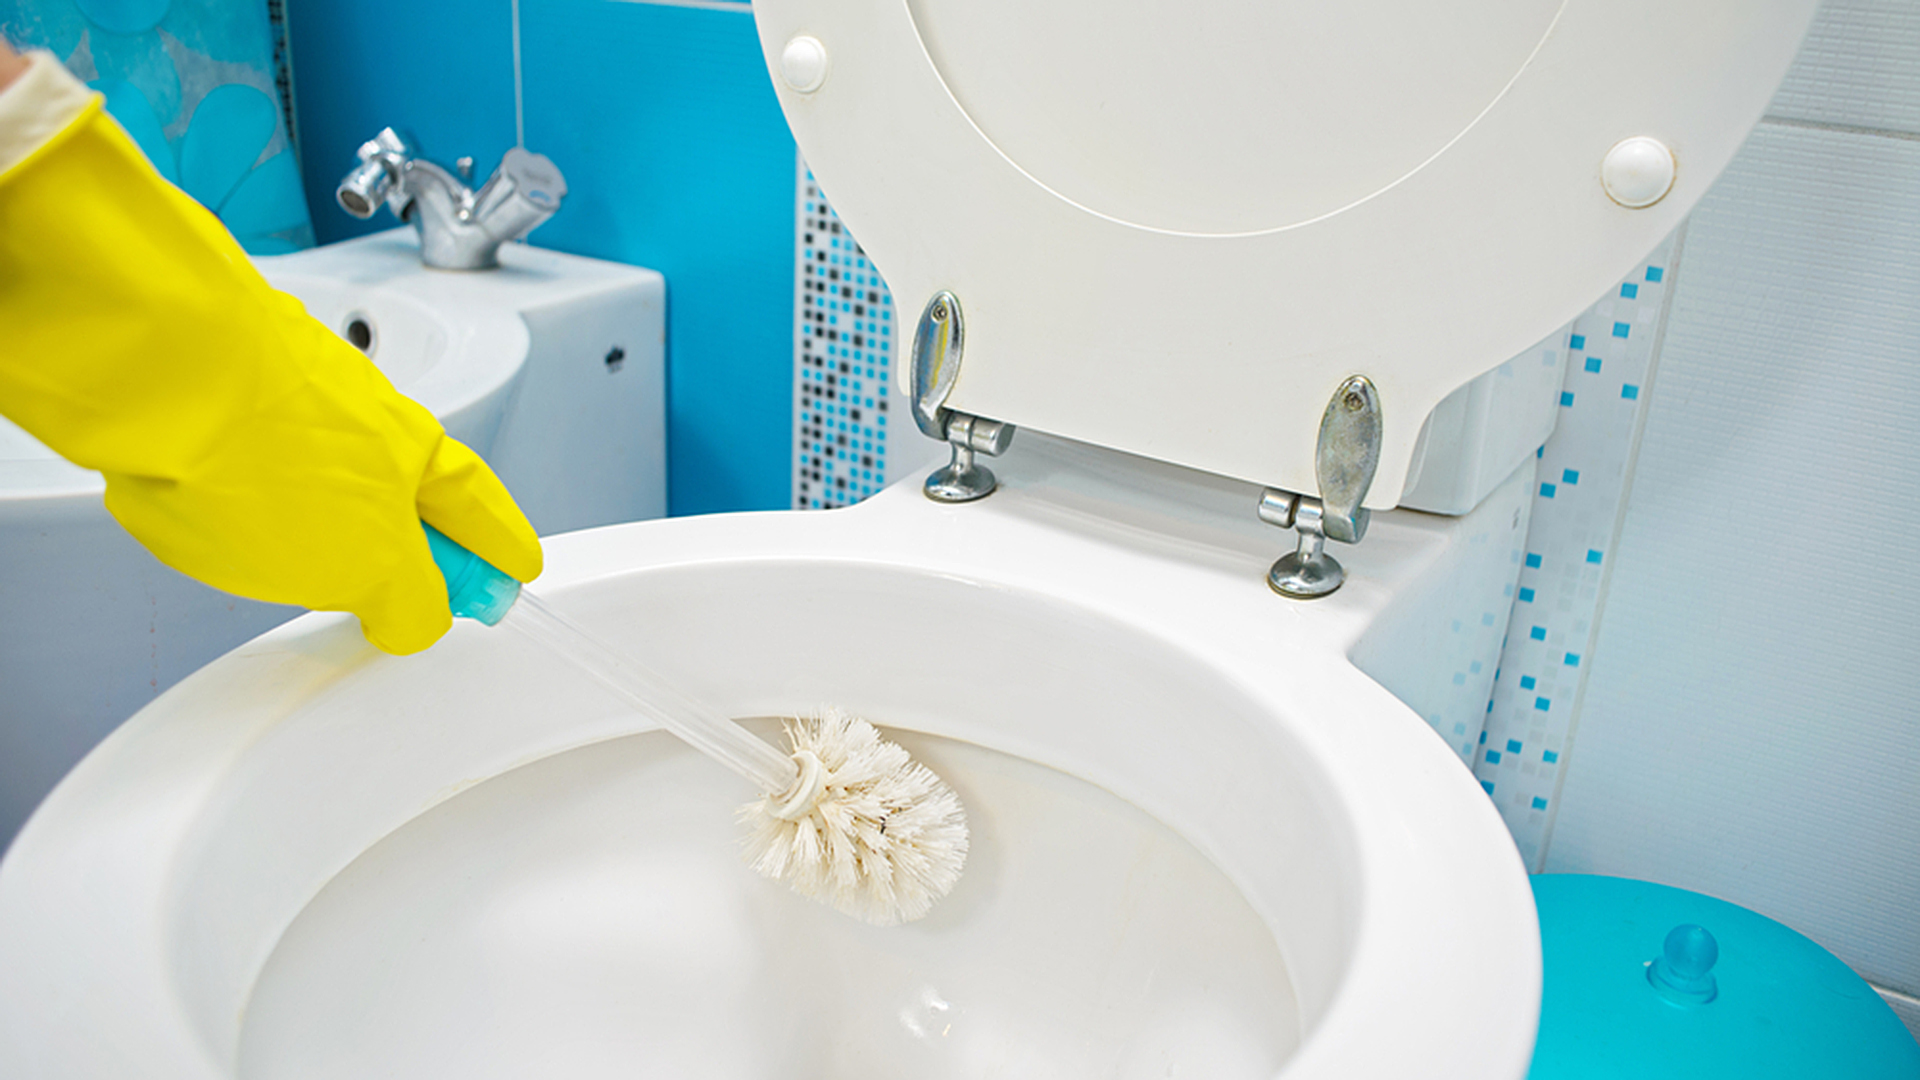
x: 37, y: 106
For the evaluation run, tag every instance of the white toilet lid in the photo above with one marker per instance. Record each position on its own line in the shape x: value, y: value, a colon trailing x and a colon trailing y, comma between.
x: 1176, y: 226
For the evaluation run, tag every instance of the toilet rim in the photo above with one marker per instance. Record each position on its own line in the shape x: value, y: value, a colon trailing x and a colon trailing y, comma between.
x: 1445, y: 921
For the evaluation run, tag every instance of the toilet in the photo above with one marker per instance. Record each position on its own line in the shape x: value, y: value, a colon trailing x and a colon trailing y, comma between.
x: 1197, y: 620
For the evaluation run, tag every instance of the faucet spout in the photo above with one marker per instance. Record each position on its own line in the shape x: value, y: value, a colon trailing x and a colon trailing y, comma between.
x: 459, y: 229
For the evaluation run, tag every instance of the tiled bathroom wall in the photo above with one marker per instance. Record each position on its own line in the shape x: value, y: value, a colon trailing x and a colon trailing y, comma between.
x: 844, y: 347
x: 198, y: 87
x: 1748, y: 727
x: 1582, y: 483
x: 677, y: 158
x: 1708, y: 672
x: 852, y: 431
x: 1696, y: 688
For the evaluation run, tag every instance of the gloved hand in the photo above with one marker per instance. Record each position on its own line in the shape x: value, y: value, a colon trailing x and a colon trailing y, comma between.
x: 242, y: 442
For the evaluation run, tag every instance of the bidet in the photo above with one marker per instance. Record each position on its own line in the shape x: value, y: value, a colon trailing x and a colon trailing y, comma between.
x: 847, y: 817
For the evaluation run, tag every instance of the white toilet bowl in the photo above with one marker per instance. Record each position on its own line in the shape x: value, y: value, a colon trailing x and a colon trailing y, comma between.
x: 310, y: 859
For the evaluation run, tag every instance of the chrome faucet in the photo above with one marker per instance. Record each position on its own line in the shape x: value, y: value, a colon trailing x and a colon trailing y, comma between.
x: 459, y: 229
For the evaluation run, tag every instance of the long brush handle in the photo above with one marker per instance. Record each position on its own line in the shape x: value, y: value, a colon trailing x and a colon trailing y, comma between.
x: 477, y: 590
x: 651, y: 694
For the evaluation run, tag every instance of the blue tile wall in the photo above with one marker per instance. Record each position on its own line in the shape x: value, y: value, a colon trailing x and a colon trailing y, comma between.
x: 678, y: 158
x: 440, y: 70
x: 676, y: 155
x: 845, y: 339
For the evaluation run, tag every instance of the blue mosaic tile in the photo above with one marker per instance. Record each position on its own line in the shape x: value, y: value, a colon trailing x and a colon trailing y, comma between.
x: 1575, y: 516
x: 843, y: 360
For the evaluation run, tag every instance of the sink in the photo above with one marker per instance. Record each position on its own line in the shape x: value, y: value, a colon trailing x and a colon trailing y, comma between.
x: 550, y: 367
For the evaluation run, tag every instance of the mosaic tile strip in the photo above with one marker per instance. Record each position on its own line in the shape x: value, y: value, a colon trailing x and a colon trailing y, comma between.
x: 1577, y: 505
x: 843, y: 350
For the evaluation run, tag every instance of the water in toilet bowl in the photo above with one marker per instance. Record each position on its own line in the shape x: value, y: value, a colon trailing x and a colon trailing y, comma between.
x: 845, y: 816
x: 585, y: 916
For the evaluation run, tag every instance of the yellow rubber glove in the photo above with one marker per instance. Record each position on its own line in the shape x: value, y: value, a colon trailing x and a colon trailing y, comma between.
x: 242, y: 442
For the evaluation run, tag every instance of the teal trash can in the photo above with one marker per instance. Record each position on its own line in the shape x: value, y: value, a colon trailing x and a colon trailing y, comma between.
x: 1657, y: 983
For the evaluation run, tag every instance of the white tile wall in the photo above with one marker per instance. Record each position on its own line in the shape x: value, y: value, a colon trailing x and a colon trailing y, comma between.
x: 1750, y: 728
x: 1577, y: 506
x: 1860, y: 66
x: 1747, y: 726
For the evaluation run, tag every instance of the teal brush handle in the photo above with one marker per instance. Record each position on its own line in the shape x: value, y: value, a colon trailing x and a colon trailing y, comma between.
x: 475, y: 588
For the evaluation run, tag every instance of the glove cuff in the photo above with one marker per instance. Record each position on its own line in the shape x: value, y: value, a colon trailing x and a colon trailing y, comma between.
x: 36, y: 107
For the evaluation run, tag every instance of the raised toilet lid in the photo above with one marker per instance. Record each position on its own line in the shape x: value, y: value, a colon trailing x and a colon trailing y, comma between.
x: 1175, y: 227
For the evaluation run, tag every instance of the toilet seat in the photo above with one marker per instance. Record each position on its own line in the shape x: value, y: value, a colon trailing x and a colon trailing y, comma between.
x: 1184, y: 311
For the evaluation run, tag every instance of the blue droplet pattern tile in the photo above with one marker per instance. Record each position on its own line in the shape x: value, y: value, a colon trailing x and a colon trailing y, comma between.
x: 845, y: 338
x: 1575, y: 519
x: 203, y: 90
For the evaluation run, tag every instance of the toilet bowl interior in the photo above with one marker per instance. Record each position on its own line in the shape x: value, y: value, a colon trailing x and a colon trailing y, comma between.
x: 588, y: 915
x: 332, y: 785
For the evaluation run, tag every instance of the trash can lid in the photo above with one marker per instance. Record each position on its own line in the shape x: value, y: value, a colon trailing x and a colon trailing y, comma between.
x: 1654, y: 982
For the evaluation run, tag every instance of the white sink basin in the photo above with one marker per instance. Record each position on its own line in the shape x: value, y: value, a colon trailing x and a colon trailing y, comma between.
x: 513, y: 361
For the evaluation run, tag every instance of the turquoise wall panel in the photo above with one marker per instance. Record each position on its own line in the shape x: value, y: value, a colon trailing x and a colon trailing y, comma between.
x: 678, y: 158
x: 441, y: 71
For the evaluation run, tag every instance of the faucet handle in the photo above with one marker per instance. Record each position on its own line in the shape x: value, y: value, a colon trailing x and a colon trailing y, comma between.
x: 388, y: 143
x: 523, y: 192
x: 535, y: 177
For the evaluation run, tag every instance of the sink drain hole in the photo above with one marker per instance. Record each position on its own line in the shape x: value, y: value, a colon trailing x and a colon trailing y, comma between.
x: 359, y: 333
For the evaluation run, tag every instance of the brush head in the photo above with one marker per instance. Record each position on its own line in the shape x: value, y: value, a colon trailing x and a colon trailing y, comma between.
x: 882, y: 837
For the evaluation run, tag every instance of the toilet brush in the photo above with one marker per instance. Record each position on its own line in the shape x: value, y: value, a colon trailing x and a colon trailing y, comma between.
x: 846, y: 816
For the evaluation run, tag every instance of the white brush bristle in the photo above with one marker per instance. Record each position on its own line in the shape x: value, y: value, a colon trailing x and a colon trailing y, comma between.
x: 885, y: 840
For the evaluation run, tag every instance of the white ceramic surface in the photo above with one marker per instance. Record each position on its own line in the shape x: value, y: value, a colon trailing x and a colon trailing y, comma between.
x: 513, y: 362
x: 1137, y: 208
x: 212, y: 892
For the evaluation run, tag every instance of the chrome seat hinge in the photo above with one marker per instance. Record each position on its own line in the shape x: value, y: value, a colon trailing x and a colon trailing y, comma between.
x: 1344, y: 461
x: 937, y: 344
